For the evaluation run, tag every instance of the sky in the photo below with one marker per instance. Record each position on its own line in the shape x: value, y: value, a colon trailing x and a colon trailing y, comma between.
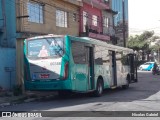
x: 144, y: 15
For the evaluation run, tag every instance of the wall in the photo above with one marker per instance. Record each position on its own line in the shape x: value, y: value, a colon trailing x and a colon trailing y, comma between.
x: 7, y: 16
x: 26, y: 29
x: 49, y: 25
x: 1, y: 17
x: 7, y: 42
x: 91, y: 11
x: 7, y: 60
x: 110, y: 16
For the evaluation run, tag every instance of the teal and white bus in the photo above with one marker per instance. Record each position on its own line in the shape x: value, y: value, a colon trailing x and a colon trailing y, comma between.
x: 66, y: 63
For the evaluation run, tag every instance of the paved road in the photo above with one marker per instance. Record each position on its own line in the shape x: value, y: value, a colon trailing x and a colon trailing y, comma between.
x: 141, y: 96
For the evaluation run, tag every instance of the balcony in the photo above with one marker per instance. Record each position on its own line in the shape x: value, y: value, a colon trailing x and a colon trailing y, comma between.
x: 94, y: 32
x: 99, y: 36
x: 98, y: 4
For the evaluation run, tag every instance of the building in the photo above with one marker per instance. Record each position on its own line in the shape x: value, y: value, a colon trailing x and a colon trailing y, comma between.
x: 120, y: 23
x: 39, y: 17
x: 108, y: 22
x: 20, y: 19
x: 95, y: 21
x: 49, y: 16
x: 7, y: 43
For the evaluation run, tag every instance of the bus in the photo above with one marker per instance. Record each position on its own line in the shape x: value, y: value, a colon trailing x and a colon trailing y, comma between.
x: 65, y: 63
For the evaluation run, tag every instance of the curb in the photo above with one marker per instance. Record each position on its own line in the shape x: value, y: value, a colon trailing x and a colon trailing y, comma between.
x: 18, y: 101
x: 5, y: 104
x: 30, y: 100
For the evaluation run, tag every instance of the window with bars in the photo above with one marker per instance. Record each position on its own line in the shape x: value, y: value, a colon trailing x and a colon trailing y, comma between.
x: 106, y: 22
x: 85, y: 19
x: 94, y: 20
x: 74, y: 17
x: 35, y: 12
x: 61, y: 18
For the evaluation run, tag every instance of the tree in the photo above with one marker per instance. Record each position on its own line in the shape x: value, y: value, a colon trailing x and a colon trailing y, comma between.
x: 141, y: 42
x: 156, y: 48
x: 146, y: 35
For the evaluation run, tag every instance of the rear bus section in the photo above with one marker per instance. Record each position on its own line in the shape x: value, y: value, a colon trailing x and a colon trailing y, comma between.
x: 46, y: 64
x: 74, y: 64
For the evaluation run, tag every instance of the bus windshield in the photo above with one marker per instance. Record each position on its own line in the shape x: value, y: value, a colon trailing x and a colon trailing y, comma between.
x: 50, y: 47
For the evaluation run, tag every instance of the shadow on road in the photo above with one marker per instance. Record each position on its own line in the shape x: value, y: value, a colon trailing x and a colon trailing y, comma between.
x: 147, y: 86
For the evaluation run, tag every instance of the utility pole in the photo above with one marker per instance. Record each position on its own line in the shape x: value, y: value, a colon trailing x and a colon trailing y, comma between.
x: 159, y: 55
x: 123, y: 13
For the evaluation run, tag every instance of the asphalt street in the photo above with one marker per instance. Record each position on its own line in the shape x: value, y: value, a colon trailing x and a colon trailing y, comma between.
x: 141, y: 96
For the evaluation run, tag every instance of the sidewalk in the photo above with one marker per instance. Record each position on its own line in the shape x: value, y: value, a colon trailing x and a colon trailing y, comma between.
x: 7, y: 98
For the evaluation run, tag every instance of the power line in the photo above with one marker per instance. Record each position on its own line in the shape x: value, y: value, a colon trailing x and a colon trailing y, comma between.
x: 72, y: 12
x: 46, y: 17
x: 49, y: 18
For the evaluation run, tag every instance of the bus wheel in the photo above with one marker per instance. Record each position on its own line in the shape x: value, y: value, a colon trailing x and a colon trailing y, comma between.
x: 99, y: 88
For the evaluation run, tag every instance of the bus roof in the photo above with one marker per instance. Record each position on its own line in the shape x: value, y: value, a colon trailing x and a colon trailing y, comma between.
x: 87, y: 40
x: 44, y: 36
x: 101, y: 43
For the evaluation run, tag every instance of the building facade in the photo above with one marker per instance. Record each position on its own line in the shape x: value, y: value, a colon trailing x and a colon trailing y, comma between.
x: 7, y: 44
x: 120, y: 23
x: 20, y: 19
x: 47, y: 17
x: 94, y: 20
x: 39, y: 17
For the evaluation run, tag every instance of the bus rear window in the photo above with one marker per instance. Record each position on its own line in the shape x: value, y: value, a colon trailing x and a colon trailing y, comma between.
x: 45, y: 47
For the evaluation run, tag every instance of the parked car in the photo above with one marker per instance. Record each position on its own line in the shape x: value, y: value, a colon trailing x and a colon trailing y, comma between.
x: 148, y: 66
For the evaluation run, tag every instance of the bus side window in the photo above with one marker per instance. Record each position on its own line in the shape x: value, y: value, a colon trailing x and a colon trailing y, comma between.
x: 128, y: 59
x: 79, y: 52
x: 101, y: 55
x: 125, y: 60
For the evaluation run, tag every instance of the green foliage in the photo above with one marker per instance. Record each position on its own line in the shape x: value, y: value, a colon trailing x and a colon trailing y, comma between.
x: 155, y: 47
x: 124, y: 60
x: 141, y: 42
x: 154, y: 38
x: 146, y: 35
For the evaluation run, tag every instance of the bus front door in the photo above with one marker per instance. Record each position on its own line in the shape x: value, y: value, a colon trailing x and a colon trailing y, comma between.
x: 133, y: 68
x: 90, y: 57
x: 113, y: 69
